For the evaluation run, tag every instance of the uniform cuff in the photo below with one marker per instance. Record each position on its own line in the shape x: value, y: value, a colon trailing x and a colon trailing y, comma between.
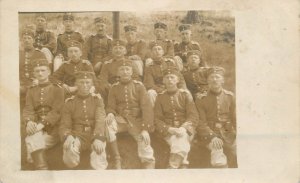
x: 99, y: 137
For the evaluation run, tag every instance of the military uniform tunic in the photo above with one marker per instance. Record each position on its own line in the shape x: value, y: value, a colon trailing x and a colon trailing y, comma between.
x: 167, y: 45
x: 196, y: 80
x: 62, y: 40
x: 138, y: 48
x: 45, y: 39
x: 182, y: 48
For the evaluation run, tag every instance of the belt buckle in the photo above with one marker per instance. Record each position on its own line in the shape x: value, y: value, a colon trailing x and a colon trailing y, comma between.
x: 87, y: 128
x: 218, y: 125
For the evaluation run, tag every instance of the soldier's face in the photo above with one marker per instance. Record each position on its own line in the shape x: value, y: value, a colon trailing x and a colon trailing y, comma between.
x: 119, y: 51
x: 186, y: 35
x: 170, y: 81
x: 41, y: 73
x: 84, y: 86
x: 27, y: 41
x: 100, y: 27
x: 68, y: 25
x: 215, y: 82
x: 74, y: 53
x: 157, y: 52
x: 40, y: 23
x: 130, y: 36
x: 160, y: 33
x: 194, y: 61
x: 125, y: 73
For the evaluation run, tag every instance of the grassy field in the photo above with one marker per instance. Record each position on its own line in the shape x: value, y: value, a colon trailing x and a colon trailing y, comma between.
x: 216, y: 34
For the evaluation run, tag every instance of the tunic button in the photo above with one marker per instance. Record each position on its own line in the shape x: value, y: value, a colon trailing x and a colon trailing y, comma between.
x: 41, y: 98
x: 143, y: 124
x: 84, y: 106
x: 83, y: 101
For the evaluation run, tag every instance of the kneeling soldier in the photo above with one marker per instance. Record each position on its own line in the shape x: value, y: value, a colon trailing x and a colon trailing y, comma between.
x: 129, y: 109
x: 82, y: 124
x: 175, y: 118
x: 217, y: 125
x: 41, y: 114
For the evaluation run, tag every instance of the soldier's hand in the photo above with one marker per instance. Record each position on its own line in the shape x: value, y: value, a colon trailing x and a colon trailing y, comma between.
x: 109, y: 118
x: 31, y: 128
x: 172, y: 131
x: 217, y: 143
x: 69, y: 140
x: 39, y: 126
x: 98, y: 146
x: 180, y: 132
x: 146, y: 137
x: 35, y: 82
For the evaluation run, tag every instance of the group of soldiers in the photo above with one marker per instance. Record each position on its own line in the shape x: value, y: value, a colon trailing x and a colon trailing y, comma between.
x: 83, y: 93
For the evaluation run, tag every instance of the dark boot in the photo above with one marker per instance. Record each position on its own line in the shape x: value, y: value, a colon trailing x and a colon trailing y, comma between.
x: 39, y: 160
x: 175, y: 161
x: 115, y: 154
x: 148, y: 165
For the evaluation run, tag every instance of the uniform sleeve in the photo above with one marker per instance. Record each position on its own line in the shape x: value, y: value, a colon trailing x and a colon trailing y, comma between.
x: 135, y: 74
x: 59, y: 49
x: 147, y: 109
x: 182, y: 83
x: 112, y: 102
x: 87, y: 53
x: 103, y: 76
x: 58, y: 101
x: 203, y: 130
x: 149, y: 81
x: 28, y: 111
x: 170, y: 49
x: 58, y: 76
x: 160, y: 125
x: 99, y: 131
x: 51, y: 45
x: 65, y: 127
x: 192, y: 114
x: 142, y: 50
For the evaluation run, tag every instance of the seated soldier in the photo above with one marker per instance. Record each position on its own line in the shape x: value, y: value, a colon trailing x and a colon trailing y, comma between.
x: 108, y: 75
x: 65, y: 75
x: 175, y: 118
x: 41, y: 115
x: 82, y: 124
x: 129, y: 109
x: 217, y: 125
x: 136, y: 49
x: 195, y: 75
x: 153, y: 77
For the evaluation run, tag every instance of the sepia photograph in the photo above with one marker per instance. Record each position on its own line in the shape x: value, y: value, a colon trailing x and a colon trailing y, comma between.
x: 127, y: 90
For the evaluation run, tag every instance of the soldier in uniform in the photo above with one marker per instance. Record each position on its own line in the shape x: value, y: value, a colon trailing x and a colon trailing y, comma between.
x: 160, y: 31
x: 82, y: 125
x: 175, y: 118
x: 99, y: 46
x: 65, y: 75
x: 136, y: 49
x: 27, y: 55
x: 108, y: 74
x: 153, y: 77
x: 63, y: 39
x: 195, y: 75
x: 129, y: 109
x: 217, y: 125
x: 44, y: 40
x: 41, y: 115
x: 186, y: 43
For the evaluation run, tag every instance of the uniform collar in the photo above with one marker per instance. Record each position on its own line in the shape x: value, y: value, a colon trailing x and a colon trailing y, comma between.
x: 159, y: 61
x: 101, y: 35
x: 214, y: 93
x: 70, y: 32
x: 44, y: 84
x: 28, y: 49
x: 40, y: 31
x: 172, y: 92
x: 83, y: 96
x: 126, y: 83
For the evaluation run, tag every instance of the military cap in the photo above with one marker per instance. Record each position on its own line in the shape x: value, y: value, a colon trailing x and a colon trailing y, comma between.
x: 40, y: 15
x: 193, y: 52
x: 68, y: 16
x: 118, y: 42
x: 127, y: 63
x: 160, y: 25
x: 84, y: 75
x: 184, y: 27
x: 171, y: 70
x: 73, y: 43
x: 28, y: 32
x: 40, y: 62
x: 155, y: 43
x: 130, y: 28
x: 216, y: 70
x: 100, y: 19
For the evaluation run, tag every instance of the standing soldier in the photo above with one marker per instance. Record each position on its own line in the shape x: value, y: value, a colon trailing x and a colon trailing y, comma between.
x: 153, y: 77
x: 44, y: 40
x: 136, y: 49
x: 82, y: 125
x: 160, y: 32
x: 175, y: 118
x: 217, y: 125
x: 195, y: 75
x: 129, y: 109
x: 99, y: 46
x: 63, y: 39
x: 41, y: 115
x: 186, y: 43
x: 27, y: 55
x: 109, y: 72
x: 65, y: 75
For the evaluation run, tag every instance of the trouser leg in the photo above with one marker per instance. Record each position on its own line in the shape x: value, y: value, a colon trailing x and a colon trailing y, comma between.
x: 230, y: 151
x: 71, y: 154
x: 98, y: 161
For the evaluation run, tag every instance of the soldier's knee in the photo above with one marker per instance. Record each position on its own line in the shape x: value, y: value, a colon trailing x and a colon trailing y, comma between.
x: 70, y: 159
x: 98, y: 161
